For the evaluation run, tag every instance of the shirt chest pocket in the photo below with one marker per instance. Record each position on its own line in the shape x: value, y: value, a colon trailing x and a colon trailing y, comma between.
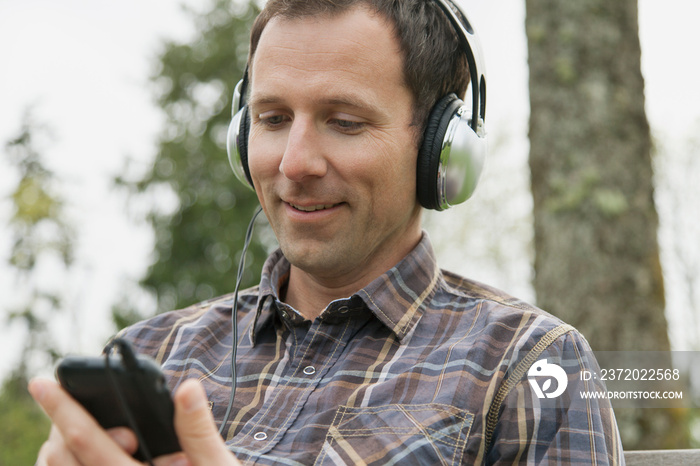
x: 431, y: 434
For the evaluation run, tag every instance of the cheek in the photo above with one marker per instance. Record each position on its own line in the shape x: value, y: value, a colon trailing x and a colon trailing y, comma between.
x: 395, y: 165
x: 262, y: 159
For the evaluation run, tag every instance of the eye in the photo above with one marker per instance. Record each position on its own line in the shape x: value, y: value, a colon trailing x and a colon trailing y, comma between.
x: 347, y: 126
x: 272, y: 121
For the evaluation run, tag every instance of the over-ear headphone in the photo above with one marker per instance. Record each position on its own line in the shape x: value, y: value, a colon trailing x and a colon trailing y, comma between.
x: 452, y: 154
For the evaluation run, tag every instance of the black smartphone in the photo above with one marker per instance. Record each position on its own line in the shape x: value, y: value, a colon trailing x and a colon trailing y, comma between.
x: 140, y: 384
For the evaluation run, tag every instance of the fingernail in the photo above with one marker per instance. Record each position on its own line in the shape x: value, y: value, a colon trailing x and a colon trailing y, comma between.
x: 37, y: 389
x: 121, y: 438
x: 194, y: 399
x: 180, y: 461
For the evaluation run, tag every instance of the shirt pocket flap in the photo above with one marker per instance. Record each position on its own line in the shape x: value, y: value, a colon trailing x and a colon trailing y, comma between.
x: 411, y: 434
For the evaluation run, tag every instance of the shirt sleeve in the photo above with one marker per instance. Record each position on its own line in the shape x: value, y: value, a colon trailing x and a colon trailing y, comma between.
x: 545, y: 418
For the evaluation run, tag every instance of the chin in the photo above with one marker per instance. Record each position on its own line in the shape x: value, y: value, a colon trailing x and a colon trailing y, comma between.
x: 319, y: 259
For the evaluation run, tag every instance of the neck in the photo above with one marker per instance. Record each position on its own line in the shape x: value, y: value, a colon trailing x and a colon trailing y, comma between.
x: 310, y: 293
x: 311, y: 296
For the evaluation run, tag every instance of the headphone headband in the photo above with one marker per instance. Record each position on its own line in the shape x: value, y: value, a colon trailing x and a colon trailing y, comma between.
x: 472, y: 49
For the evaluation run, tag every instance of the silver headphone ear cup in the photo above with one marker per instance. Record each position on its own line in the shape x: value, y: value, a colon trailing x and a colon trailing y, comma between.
x: 236, y: 147
x: 461, y: 160
x: 429, y: 154
x: 451, y: 156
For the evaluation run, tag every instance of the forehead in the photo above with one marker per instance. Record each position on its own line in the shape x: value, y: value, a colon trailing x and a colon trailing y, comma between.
x: 356, y: 48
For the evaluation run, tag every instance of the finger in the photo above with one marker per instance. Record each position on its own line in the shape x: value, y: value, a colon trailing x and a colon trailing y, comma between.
x: 125, y: 438
x: 53, y: 451
x: 174, y: 459
x: 79, y: 431
x: 195, y: 427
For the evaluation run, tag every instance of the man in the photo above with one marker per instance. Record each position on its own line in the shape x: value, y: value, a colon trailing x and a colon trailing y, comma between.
x: 355, y: 348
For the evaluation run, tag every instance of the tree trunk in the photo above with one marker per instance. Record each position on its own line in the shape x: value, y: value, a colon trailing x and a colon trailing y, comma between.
x: 596, y: 252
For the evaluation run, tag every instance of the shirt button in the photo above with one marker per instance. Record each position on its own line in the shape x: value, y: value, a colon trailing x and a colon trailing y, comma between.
x: 309, y: 370
x: 260, y: 436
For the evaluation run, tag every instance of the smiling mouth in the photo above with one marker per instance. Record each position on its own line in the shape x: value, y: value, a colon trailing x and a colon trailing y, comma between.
x: 313, y: 208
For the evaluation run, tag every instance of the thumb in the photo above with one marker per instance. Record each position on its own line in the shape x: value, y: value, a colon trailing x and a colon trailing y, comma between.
x: 195, y: 427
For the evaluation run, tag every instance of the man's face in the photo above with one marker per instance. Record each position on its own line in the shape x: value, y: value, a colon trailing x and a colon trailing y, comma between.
x: 332, y: 149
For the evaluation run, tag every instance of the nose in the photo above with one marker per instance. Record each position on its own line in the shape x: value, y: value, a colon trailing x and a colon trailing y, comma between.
x: 303, y: 156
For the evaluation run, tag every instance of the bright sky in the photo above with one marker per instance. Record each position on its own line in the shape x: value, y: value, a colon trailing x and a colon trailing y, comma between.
x: 84, y: 65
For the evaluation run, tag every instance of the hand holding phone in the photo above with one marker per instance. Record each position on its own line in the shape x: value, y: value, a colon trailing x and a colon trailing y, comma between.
x: 129, y: 391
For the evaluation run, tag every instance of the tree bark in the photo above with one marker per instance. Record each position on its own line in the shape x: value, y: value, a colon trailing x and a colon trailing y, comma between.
x: 596, y: 252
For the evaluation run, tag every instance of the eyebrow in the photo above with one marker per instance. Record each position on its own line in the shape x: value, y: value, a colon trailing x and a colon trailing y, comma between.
x: 342, y: 99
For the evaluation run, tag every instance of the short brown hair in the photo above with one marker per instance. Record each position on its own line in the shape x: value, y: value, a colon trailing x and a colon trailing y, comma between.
x: 434, y: 64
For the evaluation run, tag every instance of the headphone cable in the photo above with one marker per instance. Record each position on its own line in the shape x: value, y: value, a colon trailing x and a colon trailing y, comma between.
x: 129, y: 360
x: 234, y: 319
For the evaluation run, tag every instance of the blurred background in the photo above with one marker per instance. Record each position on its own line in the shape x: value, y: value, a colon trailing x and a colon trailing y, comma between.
x: 117, y: 202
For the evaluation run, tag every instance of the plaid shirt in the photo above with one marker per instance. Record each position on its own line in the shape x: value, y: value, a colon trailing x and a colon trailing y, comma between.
x: 419, y: 367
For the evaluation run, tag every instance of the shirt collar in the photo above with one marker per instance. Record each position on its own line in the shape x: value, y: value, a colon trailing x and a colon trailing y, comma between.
x: 397, y: 298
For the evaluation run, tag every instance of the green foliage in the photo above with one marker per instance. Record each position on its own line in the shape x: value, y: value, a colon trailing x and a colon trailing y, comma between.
x: 24, y: 426
x: 196, y: 244
x: 124, y: 314
x: 40, y: 237
x: 37, y: 223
